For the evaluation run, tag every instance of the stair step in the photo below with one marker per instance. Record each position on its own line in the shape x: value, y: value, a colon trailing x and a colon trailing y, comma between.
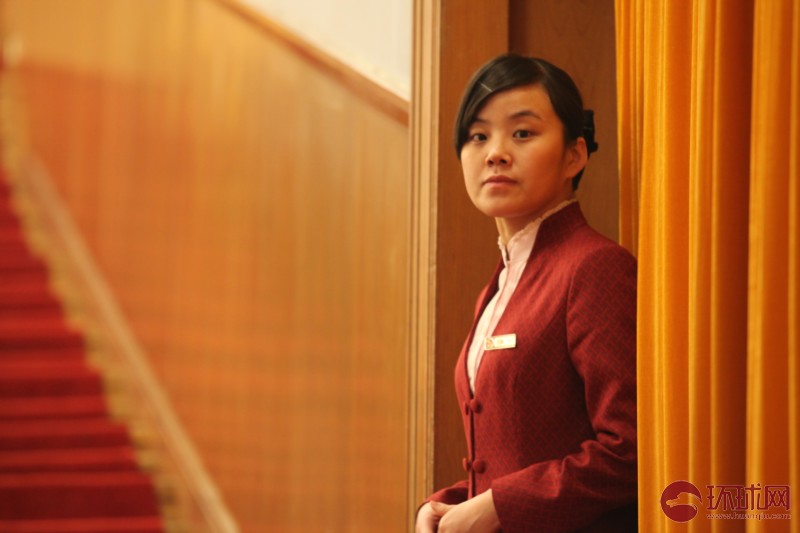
x: 18, y: 380
x: 17, y: 256
x: 43, y: 355
x: 23, y: 276
x: 37, y: 313
x: 51, y: 407
x: 11, y: 234
x: 35, y: 325
x: 5, y: 201
x: 8, y: 217
x: 20, y: 266
x: 128, y: 524
x: 61, y: 460
x: 23, y: 342
x: 37, y: 368
x: 65, y: 433
x: 65, y: 339
x: 35, y: 294
x: 39, y: 334
x: 48, y: 378
x: 76, y: 495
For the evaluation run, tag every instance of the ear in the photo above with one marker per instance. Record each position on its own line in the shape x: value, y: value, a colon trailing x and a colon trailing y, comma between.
x: 575, y: 157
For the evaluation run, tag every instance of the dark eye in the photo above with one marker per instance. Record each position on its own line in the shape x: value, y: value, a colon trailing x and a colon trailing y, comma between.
x: 477, y: 137
x: 522, y: 134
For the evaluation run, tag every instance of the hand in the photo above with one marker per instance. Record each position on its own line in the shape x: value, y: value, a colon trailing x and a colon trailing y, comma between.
x: 477, y: 515
x: 426, y: 519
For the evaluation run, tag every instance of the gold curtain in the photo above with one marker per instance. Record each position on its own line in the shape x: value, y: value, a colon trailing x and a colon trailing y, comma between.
x: 709, y: 107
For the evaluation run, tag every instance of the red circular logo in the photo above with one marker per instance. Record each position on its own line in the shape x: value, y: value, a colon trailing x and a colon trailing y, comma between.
x: 676, y: 501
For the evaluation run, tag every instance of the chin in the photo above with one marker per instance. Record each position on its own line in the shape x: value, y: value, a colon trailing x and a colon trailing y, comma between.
x: 491, y: 209
x: 493, y: 212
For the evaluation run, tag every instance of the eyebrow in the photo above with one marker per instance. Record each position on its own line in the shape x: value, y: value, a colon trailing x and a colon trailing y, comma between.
x: 526, y: 113
x: 513, y: 116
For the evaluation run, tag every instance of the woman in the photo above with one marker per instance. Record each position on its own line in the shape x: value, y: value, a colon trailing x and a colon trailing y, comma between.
x: 547, y: 376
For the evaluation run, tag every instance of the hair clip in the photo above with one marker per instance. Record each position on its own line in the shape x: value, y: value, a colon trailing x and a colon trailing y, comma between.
x: 588, y: 131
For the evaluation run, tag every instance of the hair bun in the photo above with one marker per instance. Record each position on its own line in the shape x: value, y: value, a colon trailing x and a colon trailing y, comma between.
x: 588, y: 131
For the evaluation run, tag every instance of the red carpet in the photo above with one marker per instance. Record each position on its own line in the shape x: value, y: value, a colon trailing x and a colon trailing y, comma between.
x: 65, y: 465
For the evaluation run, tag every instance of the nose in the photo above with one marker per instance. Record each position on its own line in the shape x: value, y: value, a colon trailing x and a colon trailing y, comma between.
x: 498, y: 155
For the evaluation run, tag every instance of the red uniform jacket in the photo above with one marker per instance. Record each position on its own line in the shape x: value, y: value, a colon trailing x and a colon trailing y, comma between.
x: 551, y: 428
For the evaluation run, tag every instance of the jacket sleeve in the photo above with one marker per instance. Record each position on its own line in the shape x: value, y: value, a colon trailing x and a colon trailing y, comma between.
x: 572, y: 492
x: 452, y: 495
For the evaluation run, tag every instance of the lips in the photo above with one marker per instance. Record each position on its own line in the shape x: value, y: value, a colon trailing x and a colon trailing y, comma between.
x: 498, y: 179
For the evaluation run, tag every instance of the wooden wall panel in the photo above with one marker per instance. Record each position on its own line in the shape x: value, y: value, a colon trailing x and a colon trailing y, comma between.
x: 578, y: 36
x: 454, y: 244
x: 466, y: 248
x: 252, y: 215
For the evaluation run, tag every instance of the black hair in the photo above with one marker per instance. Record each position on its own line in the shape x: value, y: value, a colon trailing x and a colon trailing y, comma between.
x: 509, y: 71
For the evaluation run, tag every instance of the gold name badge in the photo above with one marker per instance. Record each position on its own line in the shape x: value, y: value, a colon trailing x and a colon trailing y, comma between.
x: 501, y: 342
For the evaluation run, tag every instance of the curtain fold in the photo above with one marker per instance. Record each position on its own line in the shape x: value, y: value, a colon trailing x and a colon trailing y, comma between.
x: 709, y: 203
x: 773, y: 319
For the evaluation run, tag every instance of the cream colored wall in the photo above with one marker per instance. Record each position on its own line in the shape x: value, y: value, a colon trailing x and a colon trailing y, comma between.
x: 374, y: 37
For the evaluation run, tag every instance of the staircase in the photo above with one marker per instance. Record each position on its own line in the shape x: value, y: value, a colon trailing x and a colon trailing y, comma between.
x: 66, y: 463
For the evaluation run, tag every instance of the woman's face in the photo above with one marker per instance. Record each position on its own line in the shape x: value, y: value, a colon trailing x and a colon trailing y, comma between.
x: 516, y: 166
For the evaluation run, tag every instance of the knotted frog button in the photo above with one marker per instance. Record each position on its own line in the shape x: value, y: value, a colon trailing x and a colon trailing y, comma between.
x: 475, y: 405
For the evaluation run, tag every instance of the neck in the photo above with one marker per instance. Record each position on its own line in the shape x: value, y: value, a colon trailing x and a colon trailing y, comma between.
x: 508, y: 227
